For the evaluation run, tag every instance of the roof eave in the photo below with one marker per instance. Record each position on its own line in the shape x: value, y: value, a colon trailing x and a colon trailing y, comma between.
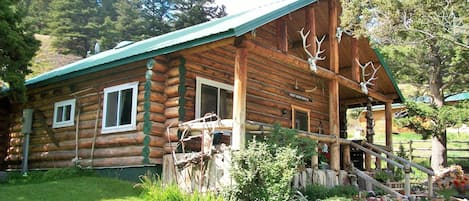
x: 389, y: 73
x: 135, y: 58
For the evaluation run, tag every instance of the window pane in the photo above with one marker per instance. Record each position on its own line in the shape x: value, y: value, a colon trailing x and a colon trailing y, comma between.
x: 125, y: 107
x: 60, y: 113
x: 226, y: 104
x: 68, y: 112
x: 208, y: 100
x: 301, y: 120
x: 111, y: 109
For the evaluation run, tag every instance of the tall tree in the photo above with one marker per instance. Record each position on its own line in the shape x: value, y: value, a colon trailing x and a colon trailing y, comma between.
x: 191, y: 12
x: 37, y: 15
x: 17, y: 47
x: 74, y: 25
x: 157, y: 15
x: 425, y: 41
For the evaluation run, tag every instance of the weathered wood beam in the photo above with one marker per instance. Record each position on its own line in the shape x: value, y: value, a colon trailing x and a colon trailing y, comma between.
x: 303, y: 64
x: 334, y: 125
x: 239, y: 97
x: 282, y: 35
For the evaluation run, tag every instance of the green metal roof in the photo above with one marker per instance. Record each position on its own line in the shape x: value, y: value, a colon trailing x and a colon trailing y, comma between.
x: 229, y: 26
x: 389, y: 73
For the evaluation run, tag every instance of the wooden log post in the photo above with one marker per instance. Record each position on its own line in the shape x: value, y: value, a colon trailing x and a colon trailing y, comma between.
x: 310, y: 25
x: 355, y: 59
x: 369, y: 132
x: 388, y: 128
x: 238, y: 137
x: 282, y: 35
x: 334, y: 84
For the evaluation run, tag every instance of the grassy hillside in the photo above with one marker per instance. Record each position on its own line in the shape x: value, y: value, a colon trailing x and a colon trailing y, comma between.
x: 48, y: 58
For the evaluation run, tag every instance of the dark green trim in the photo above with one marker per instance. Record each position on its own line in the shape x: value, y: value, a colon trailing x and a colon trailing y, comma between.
x: 389, y: 73
x: 146, y: 112
x: 182, y: 88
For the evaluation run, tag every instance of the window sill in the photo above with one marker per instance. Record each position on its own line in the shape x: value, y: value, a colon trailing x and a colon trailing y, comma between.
x: 61, y: 125
x: 118, y: 129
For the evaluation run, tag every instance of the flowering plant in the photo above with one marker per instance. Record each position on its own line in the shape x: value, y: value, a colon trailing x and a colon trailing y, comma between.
x: 461, y: 184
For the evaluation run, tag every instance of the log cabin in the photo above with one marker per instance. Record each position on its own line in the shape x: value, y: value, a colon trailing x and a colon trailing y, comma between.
x: 112, y: 109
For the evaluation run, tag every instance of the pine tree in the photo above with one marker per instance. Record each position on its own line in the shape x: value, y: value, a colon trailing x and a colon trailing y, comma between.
x: 75, y: 25
x: 191, y: 12
x: 17, y: 47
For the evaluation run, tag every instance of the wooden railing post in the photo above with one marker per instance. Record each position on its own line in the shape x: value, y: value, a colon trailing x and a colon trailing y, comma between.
x: 346, y: 157
x: 410, y: 150
x: 407, y: 179
x: 430, y: 186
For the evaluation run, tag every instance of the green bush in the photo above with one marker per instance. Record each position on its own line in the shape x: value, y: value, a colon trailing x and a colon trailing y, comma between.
x: 285, y: 137
x: 263, y: 172
x: 319, y: 192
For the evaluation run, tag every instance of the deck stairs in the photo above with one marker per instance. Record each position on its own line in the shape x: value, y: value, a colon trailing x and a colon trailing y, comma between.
x: 398, y: 190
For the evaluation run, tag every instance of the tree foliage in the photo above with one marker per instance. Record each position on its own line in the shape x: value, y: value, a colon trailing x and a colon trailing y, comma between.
x: 429, y: 36
x: 425, y: 42
x: 78, y: 25
x: 17, y: 47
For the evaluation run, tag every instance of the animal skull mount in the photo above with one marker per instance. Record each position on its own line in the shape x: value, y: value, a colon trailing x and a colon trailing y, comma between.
x: 371, y: 76
x: 312, y: 59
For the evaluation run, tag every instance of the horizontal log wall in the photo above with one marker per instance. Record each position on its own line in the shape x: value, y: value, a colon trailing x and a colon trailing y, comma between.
x: 111, y: 149
x: 4, y: 130
x: 269, y: 85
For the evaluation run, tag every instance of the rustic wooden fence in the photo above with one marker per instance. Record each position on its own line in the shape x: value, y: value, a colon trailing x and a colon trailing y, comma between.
x: 421, y: 149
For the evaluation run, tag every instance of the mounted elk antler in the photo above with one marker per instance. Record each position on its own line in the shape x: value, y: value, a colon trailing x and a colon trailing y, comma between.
x: 365, y: 83
x: 312, y: 59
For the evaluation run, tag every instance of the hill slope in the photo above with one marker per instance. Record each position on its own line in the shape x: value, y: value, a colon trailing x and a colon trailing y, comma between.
x: 48, y: 58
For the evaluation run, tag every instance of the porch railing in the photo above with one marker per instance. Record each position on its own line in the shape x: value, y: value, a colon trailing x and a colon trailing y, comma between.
x: 198, y: 126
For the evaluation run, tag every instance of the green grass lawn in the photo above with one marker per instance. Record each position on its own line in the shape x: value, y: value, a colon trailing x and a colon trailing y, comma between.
x: 86, y: 188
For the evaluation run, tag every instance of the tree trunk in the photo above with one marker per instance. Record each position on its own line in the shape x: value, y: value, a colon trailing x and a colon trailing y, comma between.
x: 438, y: 158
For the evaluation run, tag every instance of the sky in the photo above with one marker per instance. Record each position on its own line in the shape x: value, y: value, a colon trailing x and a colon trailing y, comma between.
x: 235, y: 6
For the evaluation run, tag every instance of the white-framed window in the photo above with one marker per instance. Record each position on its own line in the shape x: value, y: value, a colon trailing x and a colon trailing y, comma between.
x: 64, y: 113
x: 300, y: 118
x: 120, y: 108
x: 213, y: 97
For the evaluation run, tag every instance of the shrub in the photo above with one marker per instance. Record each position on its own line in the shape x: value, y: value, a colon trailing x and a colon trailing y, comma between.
x: 153, y: 189
x: 285, y: 137
x: 319, y: 192
x: 263, y: 172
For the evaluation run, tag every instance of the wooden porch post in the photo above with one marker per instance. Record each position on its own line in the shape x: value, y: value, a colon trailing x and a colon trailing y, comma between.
x: 388, y: 127
x: 355, y: 57
x: 310, y: 25
x: 334, y: 84
x: 238, y: 138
